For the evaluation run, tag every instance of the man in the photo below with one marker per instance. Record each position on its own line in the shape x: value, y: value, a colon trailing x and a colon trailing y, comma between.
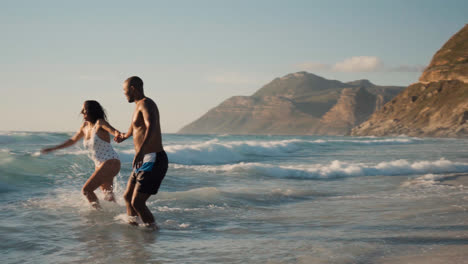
x: 150, y: 162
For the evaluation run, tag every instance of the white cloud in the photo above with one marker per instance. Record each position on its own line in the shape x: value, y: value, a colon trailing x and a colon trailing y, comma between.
x: 314, y: 66
x: 231, y: 78
x: 359, y: 64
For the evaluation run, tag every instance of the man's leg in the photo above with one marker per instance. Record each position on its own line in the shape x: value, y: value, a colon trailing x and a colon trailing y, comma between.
x: 139, y: 204
x: 128, y: 201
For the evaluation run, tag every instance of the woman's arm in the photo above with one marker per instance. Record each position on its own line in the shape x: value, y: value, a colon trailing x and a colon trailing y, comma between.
x: 67, y: 143
x: 106, y: 126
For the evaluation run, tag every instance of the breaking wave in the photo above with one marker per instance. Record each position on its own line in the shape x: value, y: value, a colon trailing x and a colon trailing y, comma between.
x: 335, y: 169
x: 218, y: 152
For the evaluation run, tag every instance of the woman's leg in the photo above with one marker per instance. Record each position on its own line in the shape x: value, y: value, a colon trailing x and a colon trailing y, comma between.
x: 105, y: 173
x: 108, y: 191
x: 107, y: 187
x: 88, y: 189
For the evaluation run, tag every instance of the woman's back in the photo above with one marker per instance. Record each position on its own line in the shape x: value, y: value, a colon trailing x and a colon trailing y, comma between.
x: 97, y: 141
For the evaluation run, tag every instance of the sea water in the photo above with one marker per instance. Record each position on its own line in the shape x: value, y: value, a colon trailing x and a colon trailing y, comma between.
x: 239, y: 199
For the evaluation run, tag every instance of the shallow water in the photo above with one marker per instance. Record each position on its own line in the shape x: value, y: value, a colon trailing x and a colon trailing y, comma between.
x: 239, y: 199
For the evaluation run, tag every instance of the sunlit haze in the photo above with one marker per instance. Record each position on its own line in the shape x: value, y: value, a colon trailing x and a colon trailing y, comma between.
x: 192, y: 55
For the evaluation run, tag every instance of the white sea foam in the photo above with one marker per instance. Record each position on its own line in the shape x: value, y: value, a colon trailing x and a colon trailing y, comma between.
x: 63, y: 199
x: 184, y: 225
x: 193, y: 209
x: 335, y: 169
x: 17, y: 133
x: 124, y: 155
x: 219, y: 152
x: 215, y: 152
x: 30, y: 133
x: 430, y: 179
x: 71, y: 151
x: 203, y: 194
x: 124, y: 218
x: 425, y: 180
x: 173, y: 224
x: 386, y: 141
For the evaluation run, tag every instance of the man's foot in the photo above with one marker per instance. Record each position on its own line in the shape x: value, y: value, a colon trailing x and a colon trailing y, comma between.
x: 152, y: 226
x: 109, y: 196
x: 132, y: 220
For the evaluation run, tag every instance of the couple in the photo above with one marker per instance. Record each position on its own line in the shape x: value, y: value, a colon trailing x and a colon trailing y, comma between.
x: 149, y: 165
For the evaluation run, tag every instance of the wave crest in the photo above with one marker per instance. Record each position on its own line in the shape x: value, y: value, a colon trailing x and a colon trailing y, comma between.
x: 335, y: 169
x: 219, y: 152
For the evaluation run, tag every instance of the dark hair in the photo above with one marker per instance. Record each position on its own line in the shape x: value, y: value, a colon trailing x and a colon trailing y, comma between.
x: 94, y: 111
x: 136, y: 82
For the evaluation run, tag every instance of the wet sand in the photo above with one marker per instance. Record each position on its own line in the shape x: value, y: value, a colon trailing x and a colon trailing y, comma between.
x: 453, y: 254
x: 456, y: 180
x: 456, y: 254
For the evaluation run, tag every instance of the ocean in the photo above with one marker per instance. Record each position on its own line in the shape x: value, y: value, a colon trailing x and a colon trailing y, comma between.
x: 241, y: 199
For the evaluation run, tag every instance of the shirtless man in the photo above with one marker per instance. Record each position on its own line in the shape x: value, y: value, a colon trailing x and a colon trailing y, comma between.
x: 150, y: 162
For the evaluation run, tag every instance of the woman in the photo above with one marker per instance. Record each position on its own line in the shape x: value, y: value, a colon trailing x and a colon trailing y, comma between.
x: 95, y: 131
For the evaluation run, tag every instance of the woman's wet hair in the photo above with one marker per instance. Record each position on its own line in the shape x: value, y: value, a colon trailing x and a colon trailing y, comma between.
x: 94, y: 111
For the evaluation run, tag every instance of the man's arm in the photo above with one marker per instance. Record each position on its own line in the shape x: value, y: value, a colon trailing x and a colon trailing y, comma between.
x: 129, y: 132
x: 150, y: 116
x: 121, y: 136
x: 78, y: 135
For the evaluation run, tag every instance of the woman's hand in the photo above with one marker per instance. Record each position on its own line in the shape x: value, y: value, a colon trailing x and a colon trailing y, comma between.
x: 119, y: 137
x: 68, y: 143
x: 46, y: 150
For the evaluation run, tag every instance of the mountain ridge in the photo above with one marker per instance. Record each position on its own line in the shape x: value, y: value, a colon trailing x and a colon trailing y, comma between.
x: 294, y: 104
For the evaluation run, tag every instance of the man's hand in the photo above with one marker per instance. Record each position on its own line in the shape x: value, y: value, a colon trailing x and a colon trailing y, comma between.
x: 119, y: 137
x: 138, y: 160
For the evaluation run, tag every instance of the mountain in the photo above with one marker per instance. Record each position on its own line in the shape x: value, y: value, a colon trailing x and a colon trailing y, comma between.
x: 436, y: 106
x: 298, y: 103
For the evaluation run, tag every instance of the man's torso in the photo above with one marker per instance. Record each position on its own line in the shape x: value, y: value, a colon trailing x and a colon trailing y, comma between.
x: 139, y: 128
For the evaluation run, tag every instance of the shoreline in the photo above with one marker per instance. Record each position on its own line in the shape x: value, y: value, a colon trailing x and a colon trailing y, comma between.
x: 456, y: 180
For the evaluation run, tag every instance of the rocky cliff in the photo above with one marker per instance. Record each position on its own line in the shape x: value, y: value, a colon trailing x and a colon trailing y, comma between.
x: 435, y: 106
x: 451, y: 61
x: 353, y: 107
x: 298, y: 103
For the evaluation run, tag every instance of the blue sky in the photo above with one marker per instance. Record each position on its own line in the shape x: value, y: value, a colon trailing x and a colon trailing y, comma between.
x: 194, y: 54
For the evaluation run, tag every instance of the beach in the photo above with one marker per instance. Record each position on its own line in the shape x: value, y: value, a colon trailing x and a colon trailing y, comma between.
x: 243, y: 199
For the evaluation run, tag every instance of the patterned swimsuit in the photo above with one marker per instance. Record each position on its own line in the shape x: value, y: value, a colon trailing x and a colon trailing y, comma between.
x: 100, y: 150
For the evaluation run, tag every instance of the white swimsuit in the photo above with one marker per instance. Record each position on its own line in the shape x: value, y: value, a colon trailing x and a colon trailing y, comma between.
x: 100, y: 150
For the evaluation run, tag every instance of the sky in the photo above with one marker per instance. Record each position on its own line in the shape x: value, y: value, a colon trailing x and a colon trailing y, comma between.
x: 192, y: 55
